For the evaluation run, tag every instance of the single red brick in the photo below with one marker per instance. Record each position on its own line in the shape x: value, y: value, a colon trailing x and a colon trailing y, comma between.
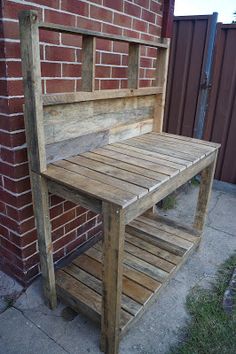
x: 148, y: 16
x: 122, y: 20
x: 71, y: 40
x: 74, y: 244
x: 60, y: 18
x: 20, y: 214
x: 13, y: 156
x: 75, y: 223
x: 109, y: 84
x: 62, y: 242
x: 110, y: 58
x: 86, y: 226
x: 68, y: 205
x: 15, y: 105
x: 29, y: 250
x: 132, y: 9
x: 95, y: 231
x: 62, y: 219
x: 145, y: 83
x: 89, y: 24
x: 100, y: 13
x: 56, y: 211
x: 60, y: 54
x: 143, y: 3
x: 15, y: 186
x: 119, y: 72
x: 103, y: 44
x: 59, y: 85
x: 50, y: 69
x: 139, y: 25
x: 4, y: 231
x: 151, y: 52
x: 120, y: 47
x: 116, y: 5
x: 11, y: 30
x: 50, y: 3
x: 131, y: 33
x: 110, y: 29
x: 13, y: 69
x: 147, y: 37
x: 124, y: 60
x: 150, y: 73
x: 146, y: 62
x: 102, y: 72
x: 14, y: 171
x: 17, y: 201
x: 75, y: 6
x: 155, y: 7
x: 58, y: 233
x: 54, y: 200
x: 80, y: 210
x: 11, y: 247
x: 58, y: 255
x: 71, y: 70
x: 154, y: 30
x: 3, y: 69
x: 12, y: 50
x: 11, y: 123
x: 31, y: 261
x: 49, y: 37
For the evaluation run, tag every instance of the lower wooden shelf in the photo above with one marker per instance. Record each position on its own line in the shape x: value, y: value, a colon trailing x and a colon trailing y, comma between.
x: 154, y: 249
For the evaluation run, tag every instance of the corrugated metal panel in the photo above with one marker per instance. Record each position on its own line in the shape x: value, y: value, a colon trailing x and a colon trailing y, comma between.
x: 188, y: 54
x: 221, y: 116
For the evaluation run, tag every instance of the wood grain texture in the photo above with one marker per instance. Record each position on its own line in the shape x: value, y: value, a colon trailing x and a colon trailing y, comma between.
x: 88, y: 63
x: 33, y: 110
x: 133, y: 65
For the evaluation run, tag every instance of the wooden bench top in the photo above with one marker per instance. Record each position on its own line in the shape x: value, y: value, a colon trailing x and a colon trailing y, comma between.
x: 126, y: 171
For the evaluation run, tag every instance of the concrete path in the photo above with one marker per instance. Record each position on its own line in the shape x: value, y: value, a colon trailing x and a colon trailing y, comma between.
x: 30, y: 327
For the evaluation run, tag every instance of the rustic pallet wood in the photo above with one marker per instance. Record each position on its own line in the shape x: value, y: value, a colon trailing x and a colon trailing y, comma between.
x: 147, y: 268
x: 106, y: 151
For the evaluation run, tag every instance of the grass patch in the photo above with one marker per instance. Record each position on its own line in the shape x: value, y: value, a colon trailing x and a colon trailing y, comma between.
x: 211, y: 330
x: 195, y: 181
x: 168, y: 202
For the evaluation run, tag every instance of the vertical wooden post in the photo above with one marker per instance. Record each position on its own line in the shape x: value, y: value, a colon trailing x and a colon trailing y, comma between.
x: 113, y: 251
x: 133, y: 65
x: 29, y: 35
x: 88, y: 63
x: 161, y: 81
x: 207, y: 176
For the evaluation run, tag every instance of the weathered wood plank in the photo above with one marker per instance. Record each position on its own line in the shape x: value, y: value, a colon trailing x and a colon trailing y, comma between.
x: 113, y: 252
x: 74, y: 196
x: 187, y: 138
x: 88, y: 63
x: 97, y: 176
x: 160, y: 42
x: 90, y: 281
x: 157, y: 251
x: 133, y: 65
x: 41, y: 212
x: 72, y: 97
x: 166, y: 170
x: 117, y: 172
x: 33, y: 110
x: 138, y: 208
x: 161, y: 80
x: 207, y: 176
x: 89, y: 186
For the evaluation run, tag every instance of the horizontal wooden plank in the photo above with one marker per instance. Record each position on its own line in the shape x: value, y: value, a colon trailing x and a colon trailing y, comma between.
x: 149, y: 155
x: 153, y: 249
x: 72, y: 97
x: 137, y: 208
x: 128, y: 166
x: 95, y: 284
x: 89, y: 186
x: 159, y: 43
x: 113, y: 171
x: 161, y: 238
x: 84, y: 298
x: 198, y: 141
x: 137, y: 161
x: 97, y: 176
x: 68, y: 121
x: 130, y: 288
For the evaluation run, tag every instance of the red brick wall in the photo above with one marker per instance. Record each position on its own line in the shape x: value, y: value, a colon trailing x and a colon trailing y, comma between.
x: 61, y: 69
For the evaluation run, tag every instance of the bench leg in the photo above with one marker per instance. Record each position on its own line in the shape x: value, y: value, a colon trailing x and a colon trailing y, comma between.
x: 41, y: 212
x: 207, y: 176
x: 113, y: 251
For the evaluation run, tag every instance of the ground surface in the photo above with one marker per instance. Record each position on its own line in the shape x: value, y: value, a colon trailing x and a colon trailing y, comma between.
x: 29, y: 327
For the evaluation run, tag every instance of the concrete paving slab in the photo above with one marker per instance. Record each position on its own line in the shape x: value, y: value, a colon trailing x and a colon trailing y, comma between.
x: 161, y: 325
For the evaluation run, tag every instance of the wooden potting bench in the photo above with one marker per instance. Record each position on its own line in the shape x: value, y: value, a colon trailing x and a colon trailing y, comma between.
x: 106, y: 151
